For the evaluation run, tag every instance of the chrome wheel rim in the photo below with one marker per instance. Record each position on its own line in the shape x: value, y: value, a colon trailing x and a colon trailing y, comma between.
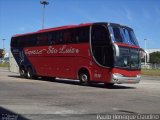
x: 28, y: 75
x: 84, y: 78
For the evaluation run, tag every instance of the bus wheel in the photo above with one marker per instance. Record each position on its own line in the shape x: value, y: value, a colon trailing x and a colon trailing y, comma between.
x: 30, y: 74
x: 22, y: 72
x: 84, y: 79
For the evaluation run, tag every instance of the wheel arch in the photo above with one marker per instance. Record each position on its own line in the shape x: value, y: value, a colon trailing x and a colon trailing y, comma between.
x: 84, y: 69
x: 22, y: 67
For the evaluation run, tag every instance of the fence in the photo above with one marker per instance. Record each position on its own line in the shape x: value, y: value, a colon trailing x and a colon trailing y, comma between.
x: 150, y: 66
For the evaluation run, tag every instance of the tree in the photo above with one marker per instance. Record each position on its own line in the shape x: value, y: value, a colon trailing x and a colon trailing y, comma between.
x: 155, y: 57
x: 1, y: 53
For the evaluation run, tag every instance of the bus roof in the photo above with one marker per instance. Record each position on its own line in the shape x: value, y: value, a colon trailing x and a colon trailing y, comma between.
x: 54, y: 29
x: 67, y: 27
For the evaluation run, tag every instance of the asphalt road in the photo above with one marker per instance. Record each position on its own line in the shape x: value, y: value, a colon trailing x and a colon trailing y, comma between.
x: 67, y: 100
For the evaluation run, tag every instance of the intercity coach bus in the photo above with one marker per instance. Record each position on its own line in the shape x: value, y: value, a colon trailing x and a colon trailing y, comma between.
x: 92, y: 52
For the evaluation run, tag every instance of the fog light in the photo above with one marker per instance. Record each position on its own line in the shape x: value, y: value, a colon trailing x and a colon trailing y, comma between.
x: 138, y: 76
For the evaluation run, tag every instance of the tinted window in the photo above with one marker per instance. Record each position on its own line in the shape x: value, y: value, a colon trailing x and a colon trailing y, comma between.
x: 129, y: 58
x: 101, y: 47
x: 117, y: 34
x: 42, y: 39
x: 56, y: 37
x: 24, y: 41
x: 81, y: 35
x: 76, y: 35
x: 29, y: 41
x: 14, y: 42
x: 133, y: 38
x: 100, y: 35
x: 68, y: 36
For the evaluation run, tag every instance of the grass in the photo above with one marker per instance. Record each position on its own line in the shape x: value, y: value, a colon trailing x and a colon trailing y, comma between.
x: 151, y: 72
x: 4, y: 64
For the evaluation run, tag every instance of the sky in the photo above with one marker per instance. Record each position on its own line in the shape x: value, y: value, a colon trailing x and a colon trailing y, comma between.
x: 23, y: 16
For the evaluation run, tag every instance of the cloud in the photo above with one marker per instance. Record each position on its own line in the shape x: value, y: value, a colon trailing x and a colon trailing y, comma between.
x: 128, y: 14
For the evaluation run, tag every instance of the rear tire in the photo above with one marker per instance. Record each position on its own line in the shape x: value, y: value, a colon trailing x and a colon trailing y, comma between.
x: 30, y: 74
x: 84, y: 79
x: 22, y: 72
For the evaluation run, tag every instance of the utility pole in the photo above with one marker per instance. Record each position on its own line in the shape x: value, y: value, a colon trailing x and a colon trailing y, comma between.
x: 3, y: 43
x: 145, y: 42
x: 44, y: 3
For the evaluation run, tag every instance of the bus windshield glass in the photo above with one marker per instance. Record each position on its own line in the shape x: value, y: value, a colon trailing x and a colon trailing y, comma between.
x: 128, y: 59
x: 124, y: 35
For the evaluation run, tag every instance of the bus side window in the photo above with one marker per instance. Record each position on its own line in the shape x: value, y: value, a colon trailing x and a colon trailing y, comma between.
x: 21, y: 42
x: 82, y: 34
x: 30, y: 41
x: 57, y: 37
x: 67, y: 36
x: 42, y: 39
x: 62, y: 37
x: 50, y: 39
x: 61, y: 41
x: 54, y: 38
x: 75, y: 35
x: 14, y: 42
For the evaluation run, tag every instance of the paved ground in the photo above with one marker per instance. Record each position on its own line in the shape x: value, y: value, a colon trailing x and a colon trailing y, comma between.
x: 66, y: 100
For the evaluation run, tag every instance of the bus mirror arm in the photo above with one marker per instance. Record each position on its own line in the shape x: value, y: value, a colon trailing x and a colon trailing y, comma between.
x: 116, y: 49
x: 147, y: 56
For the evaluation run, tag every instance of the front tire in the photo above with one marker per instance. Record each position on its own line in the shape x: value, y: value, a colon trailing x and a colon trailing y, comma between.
x: 84, y: 79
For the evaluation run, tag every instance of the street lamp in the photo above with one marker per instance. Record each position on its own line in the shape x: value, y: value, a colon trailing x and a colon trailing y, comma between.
x: 44, y: 3
x: 3, y: 43
x: 145, y: 42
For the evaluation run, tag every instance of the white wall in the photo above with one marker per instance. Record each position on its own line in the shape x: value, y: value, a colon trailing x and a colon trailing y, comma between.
x: 13, y: 64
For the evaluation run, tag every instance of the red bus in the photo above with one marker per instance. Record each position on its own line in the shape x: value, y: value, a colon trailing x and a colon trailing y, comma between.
x: 92, y: 52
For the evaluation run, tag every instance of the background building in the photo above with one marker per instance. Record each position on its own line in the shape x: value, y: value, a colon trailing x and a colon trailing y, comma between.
x: 153, y: 50
x: 150, y: 65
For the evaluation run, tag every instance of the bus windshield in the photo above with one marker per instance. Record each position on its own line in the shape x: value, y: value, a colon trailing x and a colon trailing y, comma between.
x: 124, y: 35
x: 129, y: 58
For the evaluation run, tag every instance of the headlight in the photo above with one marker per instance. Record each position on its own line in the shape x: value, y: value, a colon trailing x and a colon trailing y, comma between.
x: 138, y: 76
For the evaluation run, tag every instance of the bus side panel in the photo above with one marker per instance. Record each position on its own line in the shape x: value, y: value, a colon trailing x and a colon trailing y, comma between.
x: 100, y: 74
x: 106, y: 75
x: 21, y: 58
x: 58, y: 60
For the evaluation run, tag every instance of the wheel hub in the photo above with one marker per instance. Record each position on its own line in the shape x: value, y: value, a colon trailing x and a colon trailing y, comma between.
x: 84, y: 78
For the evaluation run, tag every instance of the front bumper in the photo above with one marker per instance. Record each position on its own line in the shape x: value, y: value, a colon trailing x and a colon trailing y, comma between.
x: 117, y: 78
